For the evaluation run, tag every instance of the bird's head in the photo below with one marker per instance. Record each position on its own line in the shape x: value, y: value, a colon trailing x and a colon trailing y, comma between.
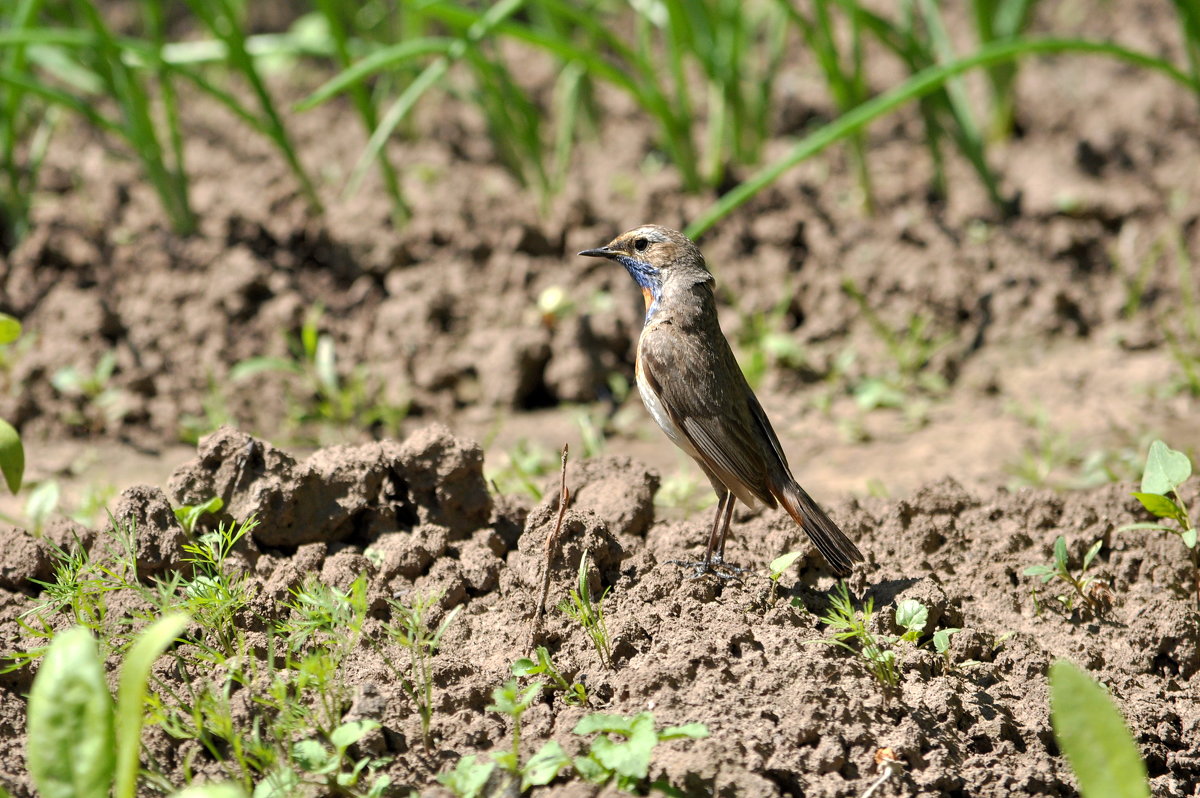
x: 655, y: 257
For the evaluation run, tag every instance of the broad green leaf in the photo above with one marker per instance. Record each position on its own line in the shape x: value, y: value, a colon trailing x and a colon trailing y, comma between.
x: 911, y: 615
x: 279, y: 783
x: 1060, y: 553
x: 131, y: 696
x: 783, y: 562
x: 630, y: 758
x: 543, y: 766
x: 70, y: 728
x: 1158, y: 504
x: 42, y: 501
x: 12, y: 456
x: 1189, y: 538
x: 468, y: 777
x: 349, y: 733
x: 941, y: 639
x: 10, y: 329
x: 1093, y: 736
x: 602, y: 722
x: 525, y: 667
x: 1091, y: 553
x: 1166, y: 469
x: 313, y: 757
x: 1038, y: 570
x: 590, y: 770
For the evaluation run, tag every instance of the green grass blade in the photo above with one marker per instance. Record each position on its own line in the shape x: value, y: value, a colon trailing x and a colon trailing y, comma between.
x: 1093, y: 736
x: 221, y: 19
x: 378, y: 61
x: 131, y: 696
x: 919, y: 85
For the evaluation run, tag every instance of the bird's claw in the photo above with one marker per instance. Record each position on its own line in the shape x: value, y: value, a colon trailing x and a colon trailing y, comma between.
x: 715, y: 566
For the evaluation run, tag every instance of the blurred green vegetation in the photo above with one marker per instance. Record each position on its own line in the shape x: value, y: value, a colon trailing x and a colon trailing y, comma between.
x: 705, y: 73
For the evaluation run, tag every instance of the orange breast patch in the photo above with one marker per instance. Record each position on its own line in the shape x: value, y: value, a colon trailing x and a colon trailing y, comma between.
x: 649, y: 297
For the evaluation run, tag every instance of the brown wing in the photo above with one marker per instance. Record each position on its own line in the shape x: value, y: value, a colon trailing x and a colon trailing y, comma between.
x: 708, y: 400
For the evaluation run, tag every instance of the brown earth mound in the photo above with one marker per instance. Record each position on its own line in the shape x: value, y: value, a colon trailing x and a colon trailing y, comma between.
x: 786, y: 717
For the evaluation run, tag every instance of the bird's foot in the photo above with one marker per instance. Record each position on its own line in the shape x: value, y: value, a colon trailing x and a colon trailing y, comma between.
x: 715, y: 566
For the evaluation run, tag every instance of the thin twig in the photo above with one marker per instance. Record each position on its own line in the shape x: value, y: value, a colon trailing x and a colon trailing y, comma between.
x: 564, y: 496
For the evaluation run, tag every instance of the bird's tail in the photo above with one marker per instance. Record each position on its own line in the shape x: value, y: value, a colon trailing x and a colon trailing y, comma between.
x: 837, y: 549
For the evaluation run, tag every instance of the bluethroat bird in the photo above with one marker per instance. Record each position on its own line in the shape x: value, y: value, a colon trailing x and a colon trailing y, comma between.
x: 694, y: 389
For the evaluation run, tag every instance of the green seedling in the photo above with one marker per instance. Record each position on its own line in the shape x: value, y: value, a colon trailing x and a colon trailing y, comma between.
x: 579, y: 607
x: 410, y: 630
x: 1094, y: 738
x: 189, y: 514
x: 79, y: 744
x: 94, y: 389
x: 574, y: 693
x: 215, y: 594
x: 1167, y: 469
x: 622, y: 750
x: 777, y: 568
x: 852, y: 632
x: 1086, y: 588
x: 331, y: 761
x: 511, y: 700
x: 764, y: 341
x: 912, y: 351
x: 525, y: 464
x: 324, y: 396
x: 41, y: 503
x: 684, y: 491
x: 12, y: 452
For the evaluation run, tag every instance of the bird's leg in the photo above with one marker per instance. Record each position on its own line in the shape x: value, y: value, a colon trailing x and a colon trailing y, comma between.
x: 713, y: 562
x: 716, y: 559
x: 720, y: 523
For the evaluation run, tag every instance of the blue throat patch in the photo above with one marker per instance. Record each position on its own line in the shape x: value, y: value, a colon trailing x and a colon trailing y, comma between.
x: 647, y: 277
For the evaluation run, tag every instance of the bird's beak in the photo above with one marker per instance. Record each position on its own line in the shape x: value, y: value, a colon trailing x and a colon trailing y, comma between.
x: 599, y: 252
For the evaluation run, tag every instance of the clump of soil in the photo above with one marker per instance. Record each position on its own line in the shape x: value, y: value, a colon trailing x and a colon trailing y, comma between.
x: 787, y: 716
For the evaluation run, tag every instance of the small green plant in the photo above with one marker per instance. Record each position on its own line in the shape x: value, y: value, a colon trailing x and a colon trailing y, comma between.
x: 79, y: 744
x: 189, y: 514
x: 524, y: 464
x: 579, y: 607
x: 215, y: 594
x: 12, y: 452
x: 777, y: 568
x: 331, y: 761
x: 1084, y: 587
x: 324, y: 396
x: 410, y: 630
x: 622, y: 750
x: 102, y: 402
x: 685, y: 491
x: 1093, y: 736
x: 620, y: 754
x: 574, y: 693
x: 852, y: 631
x: 1167, y: 469
x: 764, y: 341
x: 912, y: 351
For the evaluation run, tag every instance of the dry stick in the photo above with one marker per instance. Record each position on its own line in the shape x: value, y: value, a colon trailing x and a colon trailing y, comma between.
x: 564, y: 497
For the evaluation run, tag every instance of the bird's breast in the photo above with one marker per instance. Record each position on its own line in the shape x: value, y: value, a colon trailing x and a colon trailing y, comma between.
x: 656, y: 408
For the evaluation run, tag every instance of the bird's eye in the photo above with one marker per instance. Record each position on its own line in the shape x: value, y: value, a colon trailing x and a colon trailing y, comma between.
x: 640, y: 244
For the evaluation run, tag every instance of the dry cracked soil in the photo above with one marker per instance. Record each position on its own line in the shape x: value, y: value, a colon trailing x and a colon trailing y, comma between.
x: 1051, y: 345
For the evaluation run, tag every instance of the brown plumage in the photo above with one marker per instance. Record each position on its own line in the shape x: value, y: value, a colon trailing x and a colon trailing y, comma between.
x: 695, y: 390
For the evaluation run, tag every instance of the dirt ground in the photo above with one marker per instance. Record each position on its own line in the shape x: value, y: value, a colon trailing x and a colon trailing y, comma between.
x: 1049, y: 339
